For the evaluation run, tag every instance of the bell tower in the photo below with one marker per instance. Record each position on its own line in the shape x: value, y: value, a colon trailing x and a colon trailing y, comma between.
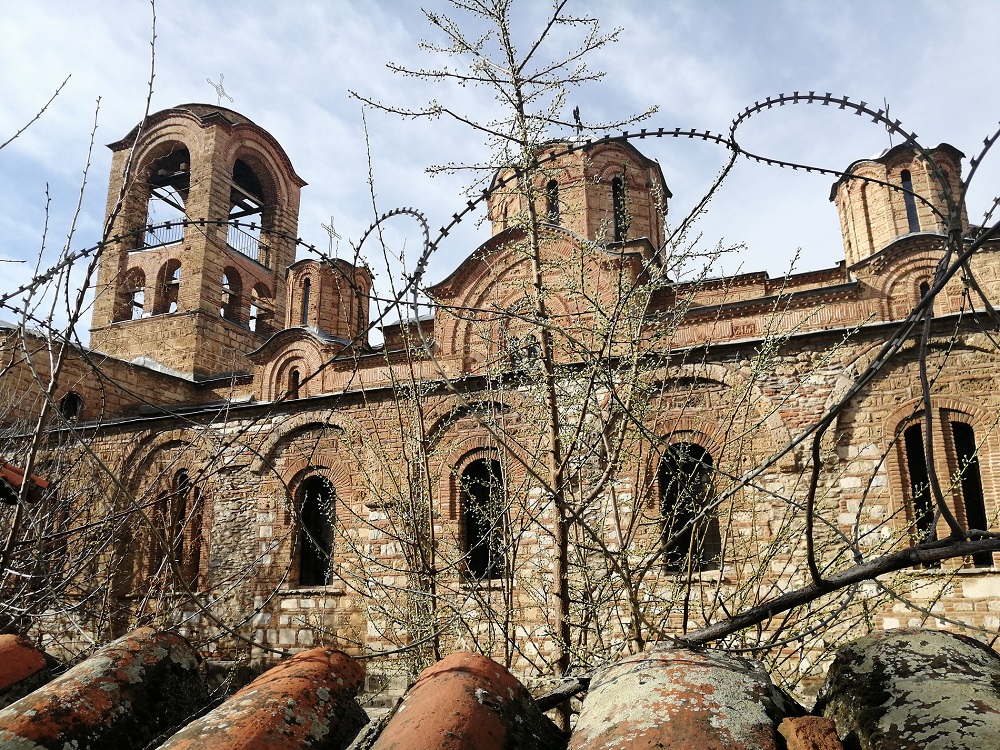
x: 205, y: 211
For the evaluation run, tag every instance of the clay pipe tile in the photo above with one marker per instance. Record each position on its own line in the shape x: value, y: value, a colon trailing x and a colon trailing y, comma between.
x: 305, y: 702
x: 468, y: 702
x: 19, y: 660
x: 23, y: 668
x: 682, y: 699
x: 123, y: 696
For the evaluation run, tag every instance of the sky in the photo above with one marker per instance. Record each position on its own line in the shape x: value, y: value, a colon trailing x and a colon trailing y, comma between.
x: 290, y: 66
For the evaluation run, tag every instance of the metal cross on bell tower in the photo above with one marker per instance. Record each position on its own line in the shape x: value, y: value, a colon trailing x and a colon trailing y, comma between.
x: 220, y: 92
x: 333, y: 235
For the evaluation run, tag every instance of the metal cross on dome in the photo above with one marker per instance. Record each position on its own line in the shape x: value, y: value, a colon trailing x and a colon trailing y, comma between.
x: 219, y: 91
x: 333, y: 233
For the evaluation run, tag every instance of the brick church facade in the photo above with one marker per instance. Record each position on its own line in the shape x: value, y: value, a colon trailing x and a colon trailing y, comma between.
x: 249, y: 463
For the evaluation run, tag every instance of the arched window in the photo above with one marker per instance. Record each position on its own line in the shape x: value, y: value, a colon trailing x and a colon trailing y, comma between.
x: 306, y: 285
x: 484, y: 519
x: 913, y: 222
x: 169, y: 182
x: 686, y: 477
x: 248, y: 213
x: 317, y: 516
x: 177, y: 514
x: 971, y: 483
x: 919, y: 496
x: 168, y: 283
x: 552, y: 202
x: 293, y: 383
x: 232, y: 295
x: 620, y: 208
x: 261, y: 311
x: 132, y: 295
x: 71, y: 406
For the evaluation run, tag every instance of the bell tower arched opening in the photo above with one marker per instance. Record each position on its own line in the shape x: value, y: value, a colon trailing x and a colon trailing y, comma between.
x: 209, y: 218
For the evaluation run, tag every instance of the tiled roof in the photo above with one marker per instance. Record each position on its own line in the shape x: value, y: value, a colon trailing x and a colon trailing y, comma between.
x: 11, y: 478
x: 899, y: 689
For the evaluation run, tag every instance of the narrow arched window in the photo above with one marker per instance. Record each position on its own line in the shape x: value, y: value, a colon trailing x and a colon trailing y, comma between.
x: 921, y: 504
x: 317, y: 515
x: 306, y: 285
x: 552, y: 201
x: 293, y: 383
x: 168, y: 287
x: 913, y: 222
x: 261, y: 311
x: 971, y: 482
x: 70, y: 406
x: 132, y: 295
x: 177, y: 514
x: 687, y: 492
x: 620, y: 209
x: 232, y: 296
x: 484, y: 519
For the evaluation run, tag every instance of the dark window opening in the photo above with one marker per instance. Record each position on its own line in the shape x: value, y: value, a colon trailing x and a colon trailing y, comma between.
x: 293, y: 384
x: 71, y: 406
x: 687, y: 490
x: 910, y: 202
x: 552, y: 202
x: 483, y: 519
x: 620, y: 208
x: 920, y: 493
x: 178, y: 514
x: 317, y: 518
x: 972, y: 486
x: 304, y: 318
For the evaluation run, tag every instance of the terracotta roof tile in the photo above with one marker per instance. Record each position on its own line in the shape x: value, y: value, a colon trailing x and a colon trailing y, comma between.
x: 305, y: 702
x: 23, y: 668
x: 900, y: 689
x: 18, y: 660
x: 123, y: 696
x: 11, y: 478
x: 468, y: 702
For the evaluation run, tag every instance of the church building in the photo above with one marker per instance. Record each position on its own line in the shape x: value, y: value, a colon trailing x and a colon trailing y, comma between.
x: 252, y: 451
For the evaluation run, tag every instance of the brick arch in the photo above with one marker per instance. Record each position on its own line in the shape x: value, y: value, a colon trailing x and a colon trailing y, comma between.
x: 274, y: 375
x: 473, y: 449
x: 764, y: 406
x: 275, y: 176
x: 145, y: 449
x: 901, y: 285
x: 442, y: 420
x: 288, y: 428
x: 673, y: 430
x: 491, y: 277
x: 335, y: 472
x: 983, y: 422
